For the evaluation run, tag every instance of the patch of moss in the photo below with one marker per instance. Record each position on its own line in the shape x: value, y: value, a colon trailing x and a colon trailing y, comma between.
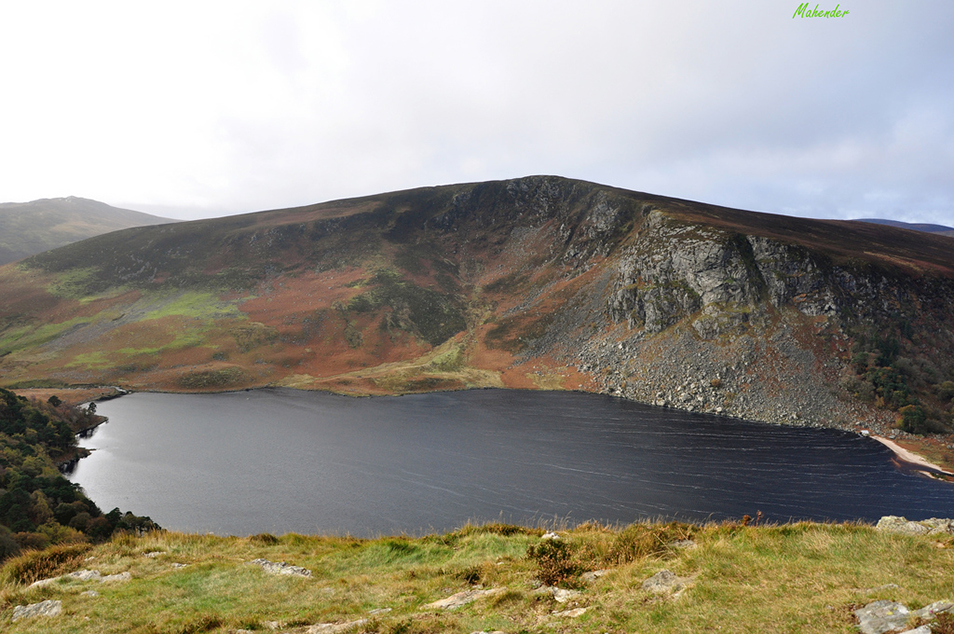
x: 194, y: 304
x: 430, y: 384
x: 25, y: 337
x: 93, y: 360
x: 139, y: 351
x: 74, y: 283
x: 37, y: 384
x: 449, y: 361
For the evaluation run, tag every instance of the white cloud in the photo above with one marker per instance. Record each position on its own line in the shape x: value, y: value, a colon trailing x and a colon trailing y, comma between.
x: 221, y: 107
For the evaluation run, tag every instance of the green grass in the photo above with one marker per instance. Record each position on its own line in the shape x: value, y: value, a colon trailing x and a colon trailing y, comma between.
x: 73, y: 284
x: 192, y: 304
x: 790, y: 578
x: 202, y: 308
x: 30, y: 337
x: 450, y: 360
x: 92, y: 360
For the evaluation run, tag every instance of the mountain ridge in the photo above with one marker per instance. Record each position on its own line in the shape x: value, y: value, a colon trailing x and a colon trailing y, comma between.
x: 540, y: 282
x: 916, y: 226
x: 39, y: 225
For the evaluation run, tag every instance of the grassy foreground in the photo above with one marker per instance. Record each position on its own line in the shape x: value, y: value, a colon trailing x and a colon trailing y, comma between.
x: 802, y: 577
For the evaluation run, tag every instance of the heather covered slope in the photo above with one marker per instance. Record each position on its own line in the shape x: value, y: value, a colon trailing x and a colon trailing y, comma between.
x: 40, y: 225
x: 539, y: 282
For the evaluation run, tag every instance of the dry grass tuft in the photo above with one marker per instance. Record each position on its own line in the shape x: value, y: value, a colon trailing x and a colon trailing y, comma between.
x: 43, y: 564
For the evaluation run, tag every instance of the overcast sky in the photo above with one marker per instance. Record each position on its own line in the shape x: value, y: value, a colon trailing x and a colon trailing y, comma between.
x: 197, y: 109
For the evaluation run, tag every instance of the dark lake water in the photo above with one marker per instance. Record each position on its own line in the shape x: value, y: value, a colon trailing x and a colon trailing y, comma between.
x: 287, y: 461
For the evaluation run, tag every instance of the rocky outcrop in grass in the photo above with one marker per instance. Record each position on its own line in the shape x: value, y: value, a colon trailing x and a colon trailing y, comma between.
x: 802, y: 577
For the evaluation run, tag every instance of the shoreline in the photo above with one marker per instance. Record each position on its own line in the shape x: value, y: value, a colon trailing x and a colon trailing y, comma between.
x: 92, y: 393
x: 910, y: 457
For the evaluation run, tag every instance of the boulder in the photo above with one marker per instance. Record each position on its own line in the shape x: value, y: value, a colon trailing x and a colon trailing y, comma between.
x: 572, y: 614
x: 890, y: 616
x: 83, y: 575
x: 561, y: 595
x: 335, y: 628
x: 593, y: 575
x: 882, y: 616
x: 43, y: 608
x: 933, y: 526
x: 665, y: 581
x: 281, y: 568
x: 461, y: 599
x: 929, y: 612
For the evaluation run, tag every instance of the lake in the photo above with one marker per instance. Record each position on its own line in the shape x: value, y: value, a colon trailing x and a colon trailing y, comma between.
x: 278, y: 461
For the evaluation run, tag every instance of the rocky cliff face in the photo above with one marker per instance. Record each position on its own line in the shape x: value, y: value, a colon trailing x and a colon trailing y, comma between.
x: 715, y: 320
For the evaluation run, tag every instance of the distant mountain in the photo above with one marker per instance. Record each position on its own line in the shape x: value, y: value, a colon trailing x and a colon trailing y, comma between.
x: 539, y: 282
x: 926, y: 228
x: 41, y: 225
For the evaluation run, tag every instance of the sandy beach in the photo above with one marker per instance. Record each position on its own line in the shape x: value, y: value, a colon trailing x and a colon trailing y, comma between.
x: 909, y: 456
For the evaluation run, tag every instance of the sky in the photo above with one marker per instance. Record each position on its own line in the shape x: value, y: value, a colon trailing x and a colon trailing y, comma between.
x: 207, y: 108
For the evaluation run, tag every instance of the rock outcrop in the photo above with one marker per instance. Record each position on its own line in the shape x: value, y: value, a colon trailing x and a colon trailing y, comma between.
x: 460, y: 599
x: 933, y: 526
x: 885, y: 616
x: 665, y: 582
x: 43, y: 608
x: 83, y: 575
x: 281, y: 568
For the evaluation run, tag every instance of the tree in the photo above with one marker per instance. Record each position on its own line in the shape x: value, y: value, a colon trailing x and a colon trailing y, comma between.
x: 912, y: 420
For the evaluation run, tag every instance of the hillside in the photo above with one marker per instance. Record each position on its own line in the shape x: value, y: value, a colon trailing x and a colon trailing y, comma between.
x: 40, y: 225
x: 661, y: 578
x: 540, y: 282
x: 927, y: 228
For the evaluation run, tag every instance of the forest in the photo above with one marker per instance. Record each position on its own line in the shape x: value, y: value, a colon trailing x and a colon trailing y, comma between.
x: 38, y: 506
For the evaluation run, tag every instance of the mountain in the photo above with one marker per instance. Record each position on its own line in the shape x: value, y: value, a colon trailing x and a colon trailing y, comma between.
x: 40, y: 225
x: 539, y: 282
x: 927, y: 228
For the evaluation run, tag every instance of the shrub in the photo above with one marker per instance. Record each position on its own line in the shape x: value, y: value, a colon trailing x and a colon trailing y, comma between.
x: 912, y: 418
x: 645, y: 540
x: 946, y: 391
x: 264, y: 538
x: 860, y: 361
x: 31, y: 541
x: 8, y: 546
x: 471, y: 575
x: 944, y: 624
x: 915, y: 420
x: 557, y: 562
